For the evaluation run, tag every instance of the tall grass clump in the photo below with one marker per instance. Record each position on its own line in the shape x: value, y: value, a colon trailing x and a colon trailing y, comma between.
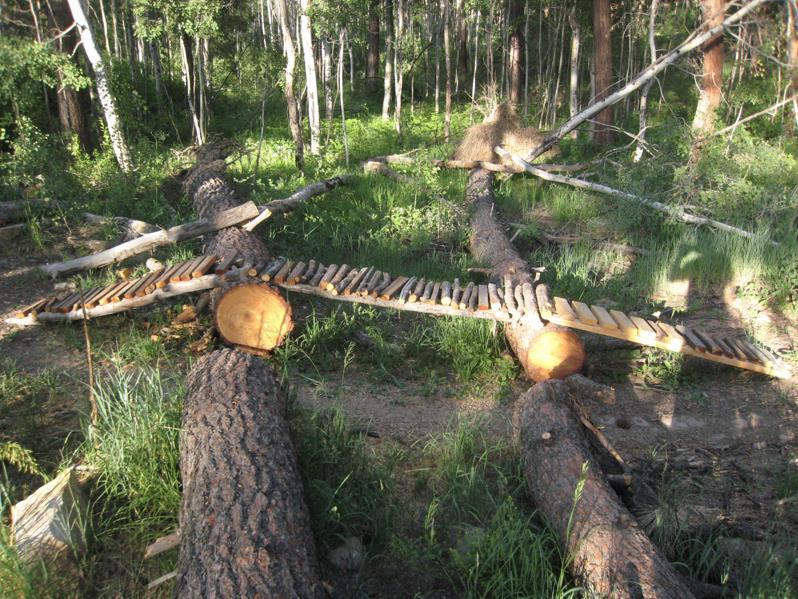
x: 133, y: 447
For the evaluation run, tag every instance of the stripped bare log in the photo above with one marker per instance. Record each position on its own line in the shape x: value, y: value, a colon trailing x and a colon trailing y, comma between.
x: 673, y: 211
x: 543, y: 351
x: 611, y: 554
x: 372, y: 166
x: 244, y: 525
x: 695, y: 40
x: 296, y: 199
x: 233, y: 215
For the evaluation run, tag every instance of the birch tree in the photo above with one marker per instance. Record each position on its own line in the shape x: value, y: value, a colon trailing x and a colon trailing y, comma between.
x: 310, y: 76
x: 104, y: 93
x: 389, y: 48
x: 289, y: 51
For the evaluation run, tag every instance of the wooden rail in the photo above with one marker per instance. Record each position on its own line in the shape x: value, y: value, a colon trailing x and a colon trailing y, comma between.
x: 367, y: 285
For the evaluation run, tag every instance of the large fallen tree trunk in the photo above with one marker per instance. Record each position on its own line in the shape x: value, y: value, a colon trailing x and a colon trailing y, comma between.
x: 695, y: 40
x: 672, y: 211
x: 245, y: 528
x: 543, y: 351
x: 611, y: 554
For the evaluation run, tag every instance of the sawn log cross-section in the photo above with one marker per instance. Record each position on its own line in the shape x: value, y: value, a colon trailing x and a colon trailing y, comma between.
x: 368, y: 285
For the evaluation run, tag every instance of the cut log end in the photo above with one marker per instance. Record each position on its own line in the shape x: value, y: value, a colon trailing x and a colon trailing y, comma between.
x: 555, y: 353
x: 253, y: 317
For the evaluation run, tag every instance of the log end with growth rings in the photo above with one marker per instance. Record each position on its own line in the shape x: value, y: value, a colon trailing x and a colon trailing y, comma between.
x: 555, y: 353
x: 253, y: 317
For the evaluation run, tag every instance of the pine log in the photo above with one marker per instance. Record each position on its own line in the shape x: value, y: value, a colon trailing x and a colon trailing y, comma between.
x: 245, y: 528
x: 612, y: 556
x: 253, y: 316
x: 555, y: 354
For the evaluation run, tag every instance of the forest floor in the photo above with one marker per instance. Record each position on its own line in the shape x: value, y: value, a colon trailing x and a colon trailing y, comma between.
x: 402, y: 422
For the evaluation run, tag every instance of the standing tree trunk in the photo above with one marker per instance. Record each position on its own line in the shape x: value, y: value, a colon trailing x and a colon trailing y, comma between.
x: 447, y: 52
x: 576, y: 42
x: 341, y: 39
x: 792, y: 50
x: 399, y: 66
x: 387, y: 81
x: 711, y: 85
x: 104, y: 93
x: 326, y: 69
x: 310, y: 77
x: 602, y: 64
x: 190, y: 81
x: 652, y: 51
x: 462, y: 44
x: 373, y: 51
x: 516, y: 53
x: 290, y: 66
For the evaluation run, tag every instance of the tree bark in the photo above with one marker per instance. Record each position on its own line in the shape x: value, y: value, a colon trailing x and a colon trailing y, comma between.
x: 447, y: 51
x: 398, y: 57
x: 104, y: 93
x: 713, y: 56
x: 387, y: 81
x: 576, y: 42
x: 602, y: 60
x: 516, y: 53
x: 612, y: 555
x: 527, y: 336
x: 652, y: 50
x: 373, y: 41
x: 792, y: 50
x: 310, y: 77
x: 245, y: 527
x: 290, y: 97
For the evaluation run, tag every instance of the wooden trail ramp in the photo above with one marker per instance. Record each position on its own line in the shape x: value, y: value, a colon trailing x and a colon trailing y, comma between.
x: 367, y: 285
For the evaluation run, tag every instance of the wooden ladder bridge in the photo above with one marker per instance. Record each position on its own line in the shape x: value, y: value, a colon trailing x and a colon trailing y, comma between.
x: 368, y: 285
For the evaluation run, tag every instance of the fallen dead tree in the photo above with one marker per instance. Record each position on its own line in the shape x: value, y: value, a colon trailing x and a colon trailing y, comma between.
x: 545, y: 351
x: 146, y: 240
x: 14, y: 211
x: 673, y: 211
x: 611, y: 554
x: 244, y: 524
x: 245, y: 528
x: 695, y: 40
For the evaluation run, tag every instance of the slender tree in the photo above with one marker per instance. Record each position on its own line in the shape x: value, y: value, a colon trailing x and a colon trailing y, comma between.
x: 389, y: 49
x: 106, y: 97
x: 711, y: 82
x: 373, y: 52
x: 288, y: 89
x: 447, y: 52
x: 602, y: 64
x: 576, y: 43
x: 652, y: 54
x: 310, y: 76
x: 516, y: 51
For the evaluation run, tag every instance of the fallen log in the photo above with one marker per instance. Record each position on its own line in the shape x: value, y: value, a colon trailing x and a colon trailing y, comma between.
x: 374, y: 166
x: 232, y: 215
x: 244, y: 525
x: 133, y: 228
x: 672, y: 211
x: 611, y: 554
x: 13, y: 211
x: 544, y: 351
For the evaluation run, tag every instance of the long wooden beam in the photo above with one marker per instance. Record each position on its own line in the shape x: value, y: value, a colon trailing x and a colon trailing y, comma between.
x: 367, y: 285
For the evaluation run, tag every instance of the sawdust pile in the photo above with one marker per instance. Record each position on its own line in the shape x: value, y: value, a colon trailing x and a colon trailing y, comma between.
x: 502, y: 127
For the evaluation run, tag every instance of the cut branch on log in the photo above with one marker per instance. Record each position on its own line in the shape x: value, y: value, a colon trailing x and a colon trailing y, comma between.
x: 673, y: 211
x: 695, y: 40
x: 232, y: 216
x: 611, y: 554
x: 245, y: 527
x: 296, y: 199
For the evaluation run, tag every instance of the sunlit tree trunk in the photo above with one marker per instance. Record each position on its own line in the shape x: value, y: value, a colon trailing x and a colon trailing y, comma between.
x: 387, y: 82
x: 326, y: 69
x: 447, y: 52
x: 190, y: 81
x: 310, y: 77
x: 516, y: 51
x: 399, y: 66
x: 290, y: 98
x: 104, y: 93
x: 341, y: 41
x: 602, y: 61
x: 576, y: 42
x: 711, y: 84
x: 652, y: 54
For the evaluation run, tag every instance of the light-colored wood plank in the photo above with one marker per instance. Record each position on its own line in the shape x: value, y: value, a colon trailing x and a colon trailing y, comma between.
x: 624, y: 323
x: 544, y: 302
x: 584, y: 313
x: 644, y: 330
x: 603, y: 317
x: 564, y: 308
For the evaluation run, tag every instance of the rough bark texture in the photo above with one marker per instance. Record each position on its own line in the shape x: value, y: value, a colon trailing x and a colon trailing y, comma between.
x: 490, y: 245
x: 612, y: 555
x: 211, y: 194
x: 387, y: 82
x: 516, y: 54
x: 245, y: 528
x: 602, y: 59
x: 710, y: 87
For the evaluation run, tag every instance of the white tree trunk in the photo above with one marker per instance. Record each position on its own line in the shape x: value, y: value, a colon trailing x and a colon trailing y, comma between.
x: 326, y: 69
x: 398, y: 66
x: 341, y: 40
x: 576, y: 40
x: 104, y: 93
x: 310, y: 77
x: 389, y: 48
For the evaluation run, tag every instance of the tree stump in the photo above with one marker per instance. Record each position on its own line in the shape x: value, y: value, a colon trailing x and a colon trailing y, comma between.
x: 245, y: 528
